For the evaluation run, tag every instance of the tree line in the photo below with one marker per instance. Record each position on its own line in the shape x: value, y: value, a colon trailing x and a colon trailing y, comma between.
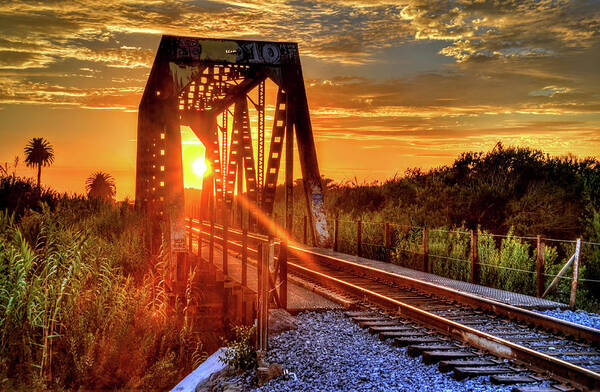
x: 18, y: 194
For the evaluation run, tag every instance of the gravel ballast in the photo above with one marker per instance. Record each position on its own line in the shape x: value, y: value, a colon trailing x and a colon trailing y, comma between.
x: 580, y: 317
x: 328, y: 352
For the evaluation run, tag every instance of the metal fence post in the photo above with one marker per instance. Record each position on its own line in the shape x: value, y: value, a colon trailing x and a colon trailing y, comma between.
x: 200, y: 236
x: 245, y: 256
x: 474, y: 257
x: 283, y: 267
x: 575, y: 274
x: 359, y: 238
x: 387, y: 241
x: 540, y: 266
x: 191, y: 238
x: 305, y: 238
x: 211, y: 238
x: 425, y: 249
x: 265, y: 255
x: 335, y: 233
x: 225, y: 246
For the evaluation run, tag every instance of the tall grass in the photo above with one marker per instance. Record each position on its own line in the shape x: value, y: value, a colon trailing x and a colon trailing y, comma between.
x: 83, y: 305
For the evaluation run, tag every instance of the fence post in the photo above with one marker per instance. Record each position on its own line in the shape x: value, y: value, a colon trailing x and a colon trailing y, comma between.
x: 474, y: 257
x: 540, y: 266
x: 225, y: 246
x: 265, y: 255
x: 575, y: 274
x: 244, y: 256
x: 359, y: 238
x: 211, y: 238
x: 191, y: 244
x: 200, y: 236
x: 304, y: 238
x: 336, y: 224
x: 387, y: 242
x: 425, y: 249
x: 283, y: 266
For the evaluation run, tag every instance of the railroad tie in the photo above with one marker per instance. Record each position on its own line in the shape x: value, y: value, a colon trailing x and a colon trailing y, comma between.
x: 512, y: 379
x: 376, y: 329
x: 379, y: 323
x: 359, y: 313
x: 373, y: 317
x: 407, y: 341
x: 462, y: 372
x: 403, y: 334
x: 434, y: 356
x: 417, y: 349
x: 446, y: 366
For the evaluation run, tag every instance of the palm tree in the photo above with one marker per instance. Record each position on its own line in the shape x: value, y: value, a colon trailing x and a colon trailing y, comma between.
x: 39, y: 152
x: 101, y: 185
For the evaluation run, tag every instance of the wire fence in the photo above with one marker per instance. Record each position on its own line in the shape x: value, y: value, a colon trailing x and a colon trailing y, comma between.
x: 505, y: 261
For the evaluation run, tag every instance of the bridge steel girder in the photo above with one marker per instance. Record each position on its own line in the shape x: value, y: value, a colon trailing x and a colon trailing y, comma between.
x: 192, y: 82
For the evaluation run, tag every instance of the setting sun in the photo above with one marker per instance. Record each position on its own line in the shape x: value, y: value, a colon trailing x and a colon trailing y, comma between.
x: 199, y: 167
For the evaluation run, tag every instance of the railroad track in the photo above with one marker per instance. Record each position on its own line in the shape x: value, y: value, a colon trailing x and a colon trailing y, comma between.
x: 467, y: 335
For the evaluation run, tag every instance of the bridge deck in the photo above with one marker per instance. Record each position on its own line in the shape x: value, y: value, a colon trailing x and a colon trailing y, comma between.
x: 515, y: 299
x: 299, y: 298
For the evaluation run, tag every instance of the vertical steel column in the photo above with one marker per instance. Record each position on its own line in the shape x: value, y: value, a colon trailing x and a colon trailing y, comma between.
x: 261, y: 142
x: 289, y: 203
x: 224, y: 130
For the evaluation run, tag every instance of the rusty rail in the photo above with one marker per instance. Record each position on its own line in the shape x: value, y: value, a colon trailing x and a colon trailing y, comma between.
x: 587, y: 379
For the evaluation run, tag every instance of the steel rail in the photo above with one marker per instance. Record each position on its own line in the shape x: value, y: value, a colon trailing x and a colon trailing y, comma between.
x: 584, y: 378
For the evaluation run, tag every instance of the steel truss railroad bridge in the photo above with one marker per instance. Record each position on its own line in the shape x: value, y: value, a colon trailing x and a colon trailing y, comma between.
x: 205, y: 84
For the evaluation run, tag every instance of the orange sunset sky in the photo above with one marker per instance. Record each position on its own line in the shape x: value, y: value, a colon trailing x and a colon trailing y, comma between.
x: 391, y: 84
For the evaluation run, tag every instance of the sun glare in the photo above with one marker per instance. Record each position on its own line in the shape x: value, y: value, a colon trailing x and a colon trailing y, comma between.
x: 199, y: 167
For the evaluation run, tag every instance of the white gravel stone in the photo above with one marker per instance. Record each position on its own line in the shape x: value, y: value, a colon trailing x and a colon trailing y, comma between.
x: 329, y: 352
x: 578, y: 317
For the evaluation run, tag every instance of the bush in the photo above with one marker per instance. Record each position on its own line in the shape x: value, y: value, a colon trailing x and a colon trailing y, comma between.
x: 240, y: 353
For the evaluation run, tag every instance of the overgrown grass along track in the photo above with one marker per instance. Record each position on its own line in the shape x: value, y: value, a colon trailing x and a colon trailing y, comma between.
x: 544, y: 344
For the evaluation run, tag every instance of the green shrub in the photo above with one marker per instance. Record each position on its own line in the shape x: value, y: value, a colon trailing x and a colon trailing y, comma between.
x: 240, y: 353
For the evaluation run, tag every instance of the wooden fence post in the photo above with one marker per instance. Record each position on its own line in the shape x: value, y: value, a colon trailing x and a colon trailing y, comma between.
x: 336, y: 224
x: 425, y: 249
x: 200, y: 236
x: 575, y: 273
x: 191, y: 243
x: 474, y: 257
x: 305, y: 237
x: 260, y: 248
x: 387, y: 241
x: 245, y: 256
x: 211, y: 238
x: 265, y: 256
x: 283, y: 267
x: 540, y: 266
x: 359, y: 238
x: 225, y: 246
